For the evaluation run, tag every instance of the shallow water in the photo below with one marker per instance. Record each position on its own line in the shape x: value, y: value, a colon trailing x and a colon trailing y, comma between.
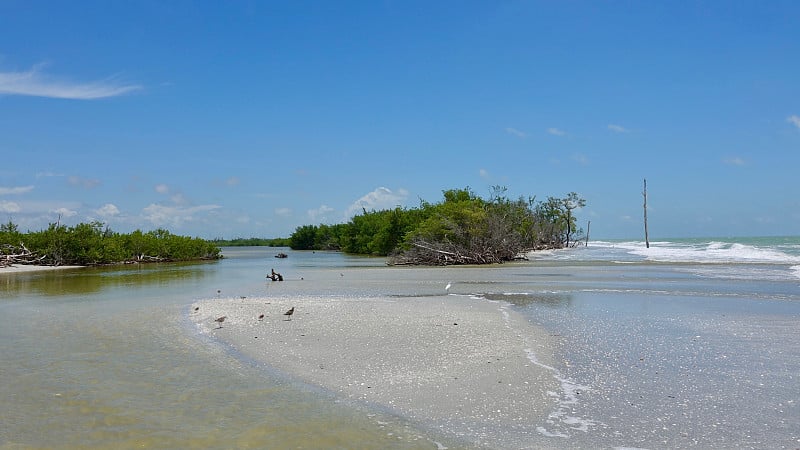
x: 102, y: 358
x: 653, y: 354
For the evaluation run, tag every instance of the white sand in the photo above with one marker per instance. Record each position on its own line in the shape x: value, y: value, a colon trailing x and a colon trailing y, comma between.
x: 457, y: 363
x: 15, y: 268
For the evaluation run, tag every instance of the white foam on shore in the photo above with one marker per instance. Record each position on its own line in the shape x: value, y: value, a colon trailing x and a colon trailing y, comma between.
x: 706, y: 252
x: 559, y: 419
x: 565, y: 401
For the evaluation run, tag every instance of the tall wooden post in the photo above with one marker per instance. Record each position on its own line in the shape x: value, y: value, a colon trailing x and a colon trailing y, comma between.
x: 588, y: 225
x: 646, y: 237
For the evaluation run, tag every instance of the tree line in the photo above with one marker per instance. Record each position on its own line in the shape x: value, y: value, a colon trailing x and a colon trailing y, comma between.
x: 94, y: 243
x: 462, y: 229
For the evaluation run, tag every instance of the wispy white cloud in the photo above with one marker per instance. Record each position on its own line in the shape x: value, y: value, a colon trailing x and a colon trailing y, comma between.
x: 34, y: 83
x: 15, y: 190
x: 48, y: 174
x: 484, y: 174
x: 162, y: 188
x: 179, y: 199
x: 380, y: 198
x: 85, y: 183
x: 580, y: 159
x: 556, y: 132
x: 175, y: 216
x: 320, y: 214
x: 283, y: 212
x: 9, y: 207
x: 232, y: 181
x: 794, y: 120
x: 516, y: 132
x: 734, y: 161
x: 65, y: 212
x: 618, y: 129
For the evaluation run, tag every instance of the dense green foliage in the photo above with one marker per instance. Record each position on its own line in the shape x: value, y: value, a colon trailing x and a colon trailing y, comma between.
x: 92, y: 244
x: 251, y: 242
x: 462, y: 229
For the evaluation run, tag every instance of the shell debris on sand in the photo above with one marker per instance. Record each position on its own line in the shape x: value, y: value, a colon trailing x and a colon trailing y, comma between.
x: 452, y: 360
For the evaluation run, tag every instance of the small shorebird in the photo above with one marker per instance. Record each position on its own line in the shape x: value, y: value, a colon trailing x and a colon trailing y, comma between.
x: 289, y: 313
x: 261, y: 317
x: 219, y: 320
x: 197, y: 308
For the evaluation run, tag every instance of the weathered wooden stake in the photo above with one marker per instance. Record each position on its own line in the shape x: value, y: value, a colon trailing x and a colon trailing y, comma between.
x: 646, y: 237
x: 588, y: 225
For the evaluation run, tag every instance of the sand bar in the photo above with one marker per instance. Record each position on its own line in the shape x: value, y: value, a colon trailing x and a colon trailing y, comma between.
x: 17, y: 268
x: 459, y: 364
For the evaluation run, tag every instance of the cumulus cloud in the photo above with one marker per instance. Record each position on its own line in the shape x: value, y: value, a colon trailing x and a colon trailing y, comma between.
x: 381, y: 198
x: 9, y: 207
x: 517, y: 133
x: 556, y: 132
x: 618, y: 129
x: 15, y: 190
x: 34, y: 83
x: 794, y: 120
x: 174, y: 216
x: 107, y: 210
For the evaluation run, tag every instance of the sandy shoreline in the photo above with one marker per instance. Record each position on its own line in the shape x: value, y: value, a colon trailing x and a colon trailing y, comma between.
x: 17, y: 268
x: 459, y: 364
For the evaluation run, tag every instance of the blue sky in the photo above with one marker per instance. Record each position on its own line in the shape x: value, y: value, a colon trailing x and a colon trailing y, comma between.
x: 240, y: 119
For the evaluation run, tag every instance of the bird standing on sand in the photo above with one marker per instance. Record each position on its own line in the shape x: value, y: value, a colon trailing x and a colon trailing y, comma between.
x: 289, y: 313
x: 261, y: 317
x: 219, y: 320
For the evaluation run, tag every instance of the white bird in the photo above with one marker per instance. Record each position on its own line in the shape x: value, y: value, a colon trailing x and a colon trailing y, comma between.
x: 447, y: 288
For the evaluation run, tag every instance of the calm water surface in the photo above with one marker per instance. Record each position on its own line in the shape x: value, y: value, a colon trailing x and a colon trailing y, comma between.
x: 669, y: 349
x: 106, y: 358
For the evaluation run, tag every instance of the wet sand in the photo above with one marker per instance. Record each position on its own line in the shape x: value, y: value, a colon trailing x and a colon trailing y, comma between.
x: 460, y: 365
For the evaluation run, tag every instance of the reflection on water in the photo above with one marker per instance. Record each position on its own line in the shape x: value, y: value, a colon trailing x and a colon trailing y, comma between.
x: 541, y: 298
x: 105, y: 358
x: 94, y: 280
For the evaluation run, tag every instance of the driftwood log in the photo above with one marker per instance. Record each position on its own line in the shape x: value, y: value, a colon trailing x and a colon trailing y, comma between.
x: 445, y: 254
x: 11, y: 254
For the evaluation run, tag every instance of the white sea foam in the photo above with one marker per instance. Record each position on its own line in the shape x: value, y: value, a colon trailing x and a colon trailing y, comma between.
x: 703, y: 252
x: 560, y: 421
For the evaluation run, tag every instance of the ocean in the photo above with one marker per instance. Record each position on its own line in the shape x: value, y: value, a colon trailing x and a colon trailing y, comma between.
x: 692, y: 343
